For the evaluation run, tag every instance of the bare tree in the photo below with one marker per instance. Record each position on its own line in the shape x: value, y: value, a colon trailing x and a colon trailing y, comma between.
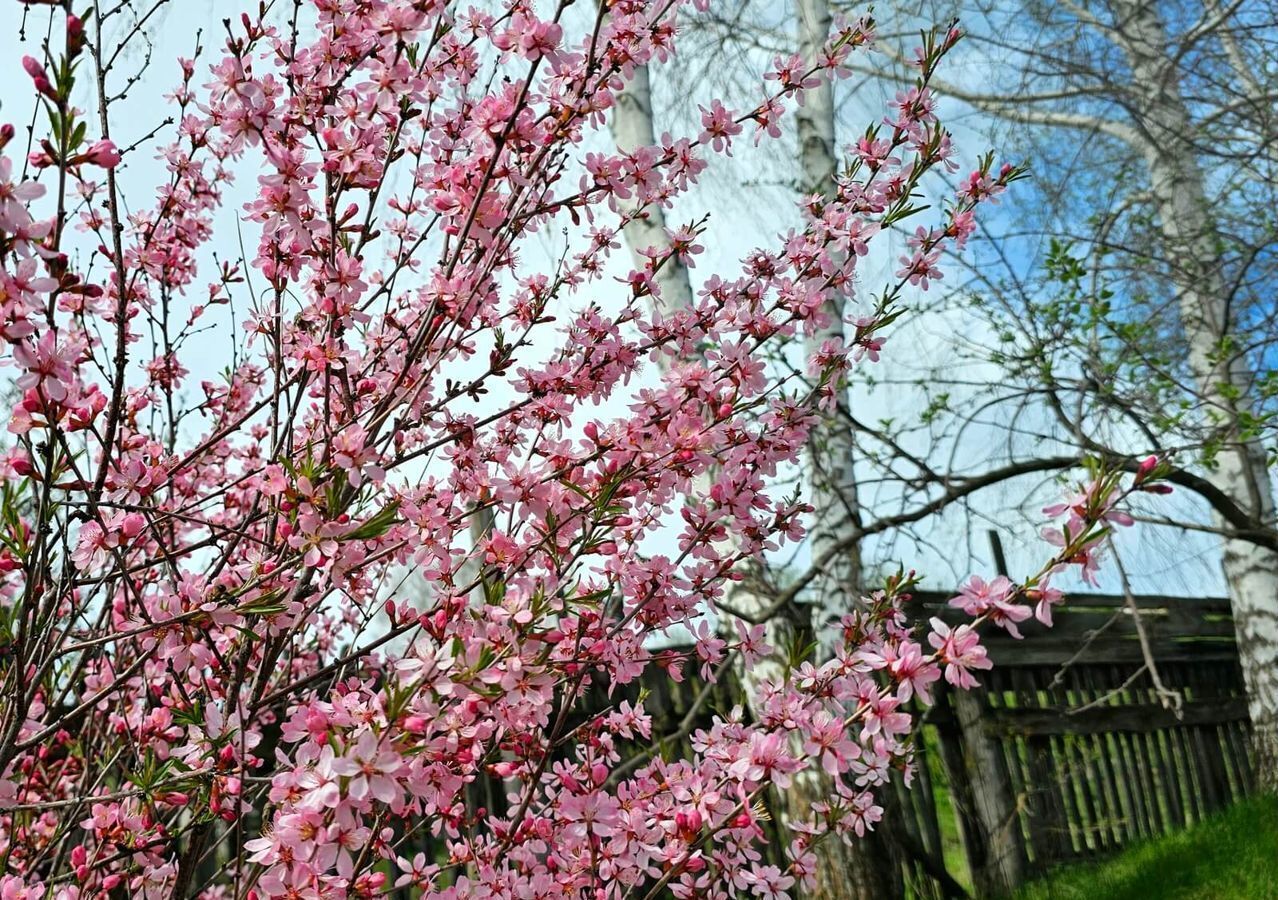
x: 1138, y: 313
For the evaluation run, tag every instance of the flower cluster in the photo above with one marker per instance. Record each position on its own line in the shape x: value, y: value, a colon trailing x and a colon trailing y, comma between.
x: 266, y: 634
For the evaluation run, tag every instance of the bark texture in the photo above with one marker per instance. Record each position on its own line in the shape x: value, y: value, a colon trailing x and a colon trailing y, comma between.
x: 1179, y: 186
x: 844, y: 873
x: 864, y: 869
x: 998, y: 840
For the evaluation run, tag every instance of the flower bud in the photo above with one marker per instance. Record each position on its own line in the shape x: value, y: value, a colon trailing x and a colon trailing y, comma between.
x: 75, y: 35
x: 317, y: 725
x: 103, y: 153
x: 33, y: 67
x: 41, y: 159
x: 39, y: 77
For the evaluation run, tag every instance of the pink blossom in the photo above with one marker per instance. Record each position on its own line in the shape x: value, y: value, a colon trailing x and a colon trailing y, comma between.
x: 15, y: 197
x: 370, y: 767
x: 960, y: 650
x: 364, y: 573
x: 718, y: 126
x: 103, y: 153
x: 995, y: 599
x: 905, y: 662
x: 50, y: 366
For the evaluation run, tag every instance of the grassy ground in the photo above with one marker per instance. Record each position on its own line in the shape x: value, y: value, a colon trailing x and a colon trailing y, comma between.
x: 951, y: 843
x: 1233, y: 856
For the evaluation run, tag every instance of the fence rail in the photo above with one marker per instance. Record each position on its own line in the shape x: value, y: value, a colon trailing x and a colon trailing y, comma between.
x: 1066, y: 752
x: 1070, y: 751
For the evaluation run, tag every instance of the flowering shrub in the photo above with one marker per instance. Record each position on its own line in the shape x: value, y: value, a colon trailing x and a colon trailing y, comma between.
x: 213, y: 684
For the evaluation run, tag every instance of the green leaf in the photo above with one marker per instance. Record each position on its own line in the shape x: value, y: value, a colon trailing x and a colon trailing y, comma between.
x: 377, y: 524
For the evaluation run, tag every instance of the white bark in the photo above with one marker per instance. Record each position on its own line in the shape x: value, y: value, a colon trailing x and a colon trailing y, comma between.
x: 833, y: 475
x: 865, y: 869
x: 1178, y: 184
x: 632, y: 128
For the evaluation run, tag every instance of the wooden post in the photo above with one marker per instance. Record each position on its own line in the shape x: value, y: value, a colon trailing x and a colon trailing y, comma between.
x: 978, y: 772
x: 996, y: 547
x: 995, y: 845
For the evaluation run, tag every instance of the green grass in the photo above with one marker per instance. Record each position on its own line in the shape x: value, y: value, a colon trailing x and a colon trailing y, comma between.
x: 1233, y: 856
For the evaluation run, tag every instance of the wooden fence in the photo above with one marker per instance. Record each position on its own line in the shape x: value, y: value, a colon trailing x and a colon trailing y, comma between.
x: 1065, y: 753
x: 1069, y: 750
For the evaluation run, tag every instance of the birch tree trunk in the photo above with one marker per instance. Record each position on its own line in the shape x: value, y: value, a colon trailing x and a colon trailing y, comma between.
x: 865, y: 869
x: 1178, y: 184
x: 843, y: 872
x: 632, y: 127
x: 833, y: 475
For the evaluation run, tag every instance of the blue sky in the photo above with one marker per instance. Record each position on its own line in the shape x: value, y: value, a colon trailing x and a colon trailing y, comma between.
x: 750, y: 201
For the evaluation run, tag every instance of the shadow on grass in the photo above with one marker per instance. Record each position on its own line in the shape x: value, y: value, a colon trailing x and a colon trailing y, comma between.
x: 1232, y: 856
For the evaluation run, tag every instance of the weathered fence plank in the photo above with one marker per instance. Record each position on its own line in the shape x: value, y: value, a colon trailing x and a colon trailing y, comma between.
x: 1136, y: 718
x: 1069, y: 737
x: 1064, y: 752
